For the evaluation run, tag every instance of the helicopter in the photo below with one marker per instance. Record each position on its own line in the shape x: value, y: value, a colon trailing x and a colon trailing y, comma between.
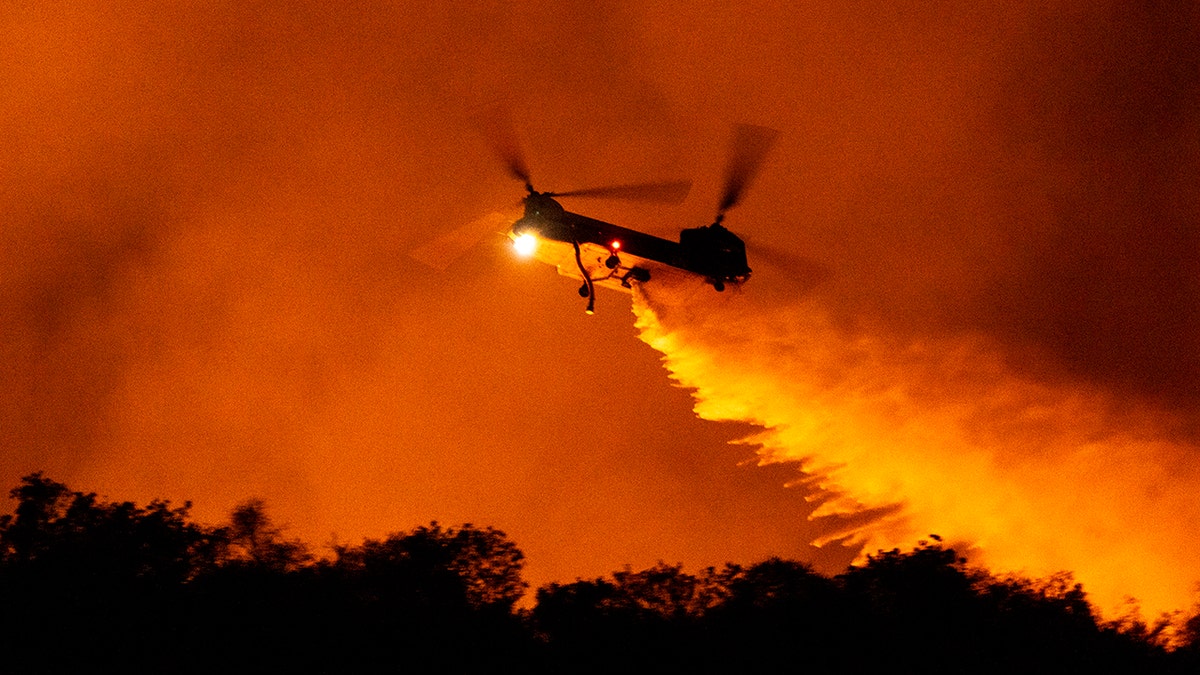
x: 602, y: 254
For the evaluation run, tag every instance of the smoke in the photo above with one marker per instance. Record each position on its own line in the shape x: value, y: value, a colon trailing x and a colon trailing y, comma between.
x: 205, y: 292
x: 200, y: 212
x: 1004, y: 349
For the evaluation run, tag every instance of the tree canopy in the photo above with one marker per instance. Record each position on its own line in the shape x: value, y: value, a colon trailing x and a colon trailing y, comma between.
x: 103, y: 585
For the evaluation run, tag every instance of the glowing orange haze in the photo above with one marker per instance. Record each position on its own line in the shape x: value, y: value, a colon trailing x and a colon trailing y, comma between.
x: 939, y: 437
x: 206, y: 293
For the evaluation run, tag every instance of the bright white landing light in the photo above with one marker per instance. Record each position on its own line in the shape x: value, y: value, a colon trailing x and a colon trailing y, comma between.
x: 525, y: 244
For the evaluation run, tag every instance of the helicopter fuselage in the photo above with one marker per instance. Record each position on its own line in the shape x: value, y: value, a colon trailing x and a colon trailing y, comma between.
x: 604, y: 254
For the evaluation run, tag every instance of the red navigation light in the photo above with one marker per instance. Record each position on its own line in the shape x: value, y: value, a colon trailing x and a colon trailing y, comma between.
x: 615, y: 245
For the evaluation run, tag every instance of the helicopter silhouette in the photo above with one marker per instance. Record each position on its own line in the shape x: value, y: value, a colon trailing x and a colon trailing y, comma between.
x: 602, y: 254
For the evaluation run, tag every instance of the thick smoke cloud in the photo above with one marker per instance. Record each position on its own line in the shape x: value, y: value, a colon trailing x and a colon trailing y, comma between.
x: 206, y: 292
x: 1005, y: 348
x: 1102, y: 110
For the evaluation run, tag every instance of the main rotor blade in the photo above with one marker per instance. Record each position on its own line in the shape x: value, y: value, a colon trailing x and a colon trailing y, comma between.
x: 442, y: 251
x: 748, y: 149
x: 497, y: 128
x: 804, y: 273
x: 667, y: 192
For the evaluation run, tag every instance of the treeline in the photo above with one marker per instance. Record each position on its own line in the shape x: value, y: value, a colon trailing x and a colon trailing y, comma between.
x: 87, y: 584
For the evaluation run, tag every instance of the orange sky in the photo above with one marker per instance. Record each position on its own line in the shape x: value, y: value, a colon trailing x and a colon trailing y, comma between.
x: 206, y: 294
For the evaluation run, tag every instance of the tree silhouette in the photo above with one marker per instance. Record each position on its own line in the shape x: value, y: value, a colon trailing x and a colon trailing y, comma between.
x: 253, y: 539
x: 116, y: 587
x: 72, y: 565
x: 635, y: 620
x: 434, y: 566
x: 775, y: 610
x: 40, y: 501
x: 434, y: 588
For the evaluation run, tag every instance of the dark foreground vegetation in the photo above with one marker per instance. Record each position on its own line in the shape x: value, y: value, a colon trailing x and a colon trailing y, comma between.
x: 115, y: 587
